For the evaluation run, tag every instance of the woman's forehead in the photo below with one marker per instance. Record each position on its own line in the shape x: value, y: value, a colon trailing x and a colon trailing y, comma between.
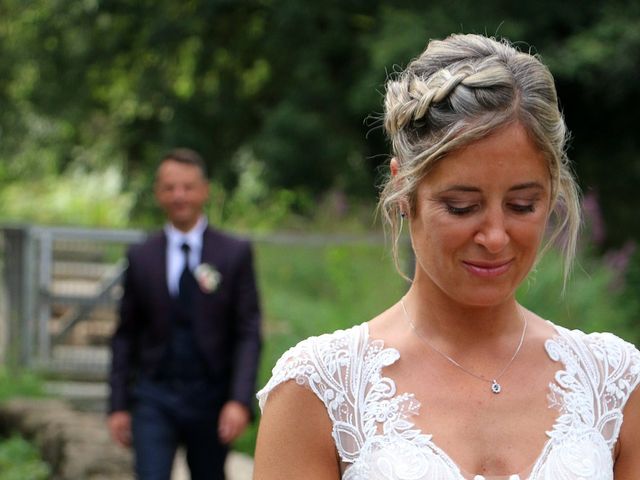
x: 508, y: 155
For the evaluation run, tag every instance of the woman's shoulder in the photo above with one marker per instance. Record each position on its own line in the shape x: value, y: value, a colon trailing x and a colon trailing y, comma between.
x: 612, y: 357
x: 325, y: 361
x: 602, y: 343
x: 317, y: 347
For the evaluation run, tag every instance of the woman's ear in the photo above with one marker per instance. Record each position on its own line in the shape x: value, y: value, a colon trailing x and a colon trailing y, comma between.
x: 394, y: 166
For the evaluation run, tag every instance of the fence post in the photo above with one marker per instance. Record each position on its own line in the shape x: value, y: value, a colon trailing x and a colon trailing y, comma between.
x: 18, y: 278
x: 43, y: 302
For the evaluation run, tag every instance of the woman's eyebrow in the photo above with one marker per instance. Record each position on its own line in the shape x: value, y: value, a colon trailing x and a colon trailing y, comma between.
x: 473, y: 189
x: 460, y: 188
x: 527, y: 185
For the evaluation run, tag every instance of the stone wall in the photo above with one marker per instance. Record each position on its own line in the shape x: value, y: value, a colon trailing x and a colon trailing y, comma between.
x: 75, y: 444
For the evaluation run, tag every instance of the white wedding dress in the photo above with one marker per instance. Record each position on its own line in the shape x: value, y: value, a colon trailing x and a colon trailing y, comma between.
x: 372, y: 422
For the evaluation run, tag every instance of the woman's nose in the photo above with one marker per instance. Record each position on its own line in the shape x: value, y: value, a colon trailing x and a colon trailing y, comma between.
x: 492, y: 233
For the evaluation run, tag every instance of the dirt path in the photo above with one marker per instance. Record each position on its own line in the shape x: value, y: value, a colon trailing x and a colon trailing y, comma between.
x: 239, y: 467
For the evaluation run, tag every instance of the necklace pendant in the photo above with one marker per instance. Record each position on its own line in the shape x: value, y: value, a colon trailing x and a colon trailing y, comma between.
x: 495, y: 387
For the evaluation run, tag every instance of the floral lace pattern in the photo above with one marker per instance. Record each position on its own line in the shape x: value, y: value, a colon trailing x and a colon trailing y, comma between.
x: 376, y: 439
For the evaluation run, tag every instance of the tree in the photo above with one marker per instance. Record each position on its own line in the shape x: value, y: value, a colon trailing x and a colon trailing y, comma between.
x: 297, y: 84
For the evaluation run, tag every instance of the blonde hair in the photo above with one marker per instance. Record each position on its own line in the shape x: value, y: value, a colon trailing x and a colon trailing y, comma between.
x: 460, y: 90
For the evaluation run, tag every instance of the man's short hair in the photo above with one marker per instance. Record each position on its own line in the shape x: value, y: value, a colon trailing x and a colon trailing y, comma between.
x: 188, y: 157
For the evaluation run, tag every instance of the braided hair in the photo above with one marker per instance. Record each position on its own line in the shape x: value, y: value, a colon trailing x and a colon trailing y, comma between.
x: 460, y: 90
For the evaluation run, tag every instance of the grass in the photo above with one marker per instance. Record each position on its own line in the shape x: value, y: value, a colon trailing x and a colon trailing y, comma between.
x: 312, y: 290
x: 309, y: 290
x: 19, y: 383
x: 19, y: 459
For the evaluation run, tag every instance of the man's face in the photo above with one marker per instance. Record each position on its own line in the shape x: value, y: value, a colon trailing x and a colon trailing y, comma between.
x: 181, y: 191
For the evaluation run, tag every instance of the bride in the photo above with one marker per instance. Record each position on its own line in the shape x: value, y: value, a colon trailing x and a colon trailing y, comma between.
x: 457, y: 380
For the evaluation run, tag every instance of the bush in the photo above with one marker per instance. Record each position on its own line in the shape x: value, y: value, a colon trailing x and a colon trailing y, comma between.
x: 591, y: 301
x: 19, y: 460
x: 23, y: 384
x: 90, y: 199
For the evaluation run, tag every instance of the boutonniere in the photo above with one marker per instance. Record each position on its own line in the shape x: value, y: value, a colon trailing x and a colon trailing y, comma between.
x: 208, y: 277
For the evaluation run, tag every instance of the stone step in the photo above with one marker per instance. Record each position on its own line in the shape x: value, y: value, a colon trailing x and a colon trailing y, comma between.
x: 90, y: 397
x: 239, y: 466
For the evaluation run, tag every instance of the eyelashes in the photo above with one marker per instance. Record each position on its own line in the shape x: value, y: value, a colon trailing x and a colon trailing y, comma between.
x: 529, y: 208
x: 460, y: 211
x: 515, y: 207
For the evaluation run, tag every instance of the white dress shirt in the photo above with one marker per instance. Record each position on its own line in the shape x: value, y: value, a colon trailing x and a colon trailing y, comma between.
x: 175, y: 256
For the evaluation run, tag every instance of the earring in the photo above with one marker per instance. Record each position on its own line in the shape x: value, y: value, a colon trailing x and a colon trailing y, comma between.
x: 403, y: 214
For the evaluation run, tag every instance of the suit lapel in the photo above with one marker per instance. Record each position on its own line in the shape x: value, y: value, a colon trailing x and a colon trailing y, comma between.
x: 210, y: 254
x: 158, y: 268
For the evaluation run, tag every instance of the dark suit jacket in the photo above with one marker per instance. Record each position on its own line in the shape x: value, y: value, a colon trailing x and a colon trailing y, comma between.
x: 226, y: 327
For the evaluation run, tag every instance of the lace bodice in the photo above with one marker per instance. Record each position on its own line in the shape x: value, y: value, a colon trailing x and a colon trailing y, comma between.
x: 372, y: 423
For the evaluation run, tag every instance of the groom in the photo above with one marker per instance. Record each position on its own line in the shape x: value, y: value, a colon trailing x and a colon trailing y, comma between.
x: 185, y: 351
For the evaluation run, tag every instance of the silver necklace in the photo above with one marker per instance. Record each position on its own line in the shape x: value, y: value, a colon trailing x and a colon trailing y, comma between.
x: 495, y: 386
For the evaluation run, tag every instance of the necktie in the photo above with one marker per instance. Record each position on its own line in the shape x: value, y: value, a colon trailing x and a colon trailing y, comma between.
x: 187, y: 284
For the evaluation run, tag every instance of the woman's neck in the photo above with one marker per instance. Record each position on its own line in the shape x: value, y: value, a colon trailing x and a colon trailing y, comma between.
x: 447, y: 321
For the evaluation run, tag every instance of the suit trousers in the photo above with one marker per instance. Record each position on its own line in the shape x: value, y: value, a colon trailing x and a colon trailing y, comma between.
x: 172, y: 413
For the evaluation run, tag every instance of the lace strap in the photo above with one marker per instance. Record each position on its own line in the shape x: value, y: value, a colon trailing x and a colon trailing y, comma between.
x: 344, y: 370
x: 601, y: 371
x: 309, y: 363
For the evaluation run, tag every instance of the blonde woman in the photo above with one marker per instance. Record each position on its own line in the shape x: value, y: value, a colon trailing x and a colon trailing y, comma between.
x: 457, y: 380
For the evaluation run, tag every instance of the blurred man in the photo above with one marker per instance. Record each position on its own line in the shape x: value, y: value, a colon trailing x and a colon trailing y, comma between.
x: 186, y: 348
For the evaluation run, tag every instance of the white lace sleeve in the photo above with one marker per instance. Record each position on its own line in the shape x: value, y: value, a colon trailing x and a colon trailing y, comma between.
x: 294, y: 364
x: 343, y: 369
x: 601, y: 372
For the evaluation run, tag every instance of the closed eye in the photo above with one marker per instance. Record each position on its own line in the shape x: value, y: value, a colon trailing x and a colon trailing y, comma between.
x: 518, y: 208
x: 453, y: 210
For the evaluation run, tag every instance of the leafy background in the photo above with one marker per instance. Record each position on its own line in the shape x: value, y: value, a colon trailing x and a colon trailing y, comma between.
x: 283, y: 98
x: 289, y: 89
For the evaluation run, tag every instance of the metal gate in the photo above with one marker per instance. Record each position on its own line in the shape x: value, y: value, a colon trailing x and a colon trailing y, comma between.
x: 59, y: 290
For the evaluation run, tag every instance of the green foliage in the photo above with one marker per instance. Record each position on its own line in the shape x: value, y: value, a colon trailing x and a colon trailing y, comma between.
x: 314, y: 289
x: 275, y: 94
x: 596, y: 71
x: 630, y: 297
x: 81, y: 198
x: 310, y: 290
x: 252, y: 206
x: 89, y: 84
x: 19, y: 460
x: 591, y: 302
x: 23, y: 383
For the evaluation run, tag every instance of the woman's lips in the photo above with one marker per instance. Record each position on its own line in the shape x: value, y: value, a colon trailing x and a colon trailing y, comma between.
x: 485, y: 269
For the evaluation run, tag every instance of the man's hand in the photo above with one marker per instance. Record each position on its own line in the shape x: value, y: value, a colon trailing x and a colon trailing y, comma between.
x: 234, y: 418
x: 120, y: 427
